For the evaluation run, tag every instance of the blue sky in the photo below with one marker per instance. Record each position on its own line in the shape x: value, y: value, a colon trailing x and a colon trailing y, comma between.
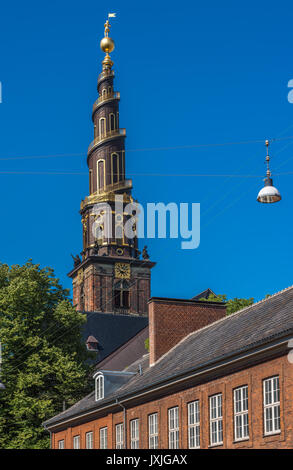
x: 199, y: 73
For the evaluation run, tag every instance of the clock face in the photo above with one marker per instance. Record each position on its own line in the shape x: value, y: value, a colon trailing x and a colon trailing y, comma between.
x: 122, y: 270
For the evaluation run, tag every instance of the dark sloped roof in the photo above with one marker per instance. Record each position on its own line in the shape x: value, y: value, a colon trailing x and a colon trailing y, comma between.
x: 111, y: 330
x: 204, y: 294
x: 127, y: 353
x: 238, y: 332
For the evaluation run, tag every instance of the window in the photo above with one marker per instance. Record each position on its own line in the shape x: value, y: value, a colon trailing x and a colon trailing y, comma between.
x: 104, y: 438
x: 121, y: 294
x: 102, y: 127
x: 193, y: 425
x: 61, y: 444
x: 134, y: 434
x: 119, y: 436
x: 112, y: 122
x: 76, y: 442
x: 99, y: 387
x: 241, y: 429
x: 89, y: 441
x: 101, y: 174
x: 115, y: 168
x: 216, y: 420
x: 271, y: 397
x: 153, y: 431
x: 173, y: 421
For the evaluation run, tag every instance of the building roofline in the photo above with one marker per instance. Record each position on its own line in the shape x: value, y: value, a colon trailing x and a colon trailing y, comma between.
x: 187, y: 301
x: 221, y: 320
x: 269, y: 343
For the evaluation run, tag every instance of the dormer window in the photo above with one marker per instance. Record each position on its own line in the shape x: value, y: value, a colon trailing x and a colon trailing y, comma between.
x: 107, y: 381
x: 99, y: 387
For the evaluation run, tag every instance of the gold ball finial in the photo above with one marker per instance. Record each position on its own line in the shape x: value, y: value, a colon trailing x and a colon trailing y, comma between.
x: 107, y: 45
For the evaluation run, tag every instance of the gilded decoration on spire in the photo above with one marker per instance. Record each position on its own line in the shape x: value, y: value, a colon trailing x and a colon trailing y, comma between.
x: 107, y: 44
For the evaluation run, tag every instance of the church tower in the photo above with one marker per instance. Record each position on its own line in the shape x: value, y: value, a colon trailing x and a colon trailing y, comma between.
x: 110, y: 277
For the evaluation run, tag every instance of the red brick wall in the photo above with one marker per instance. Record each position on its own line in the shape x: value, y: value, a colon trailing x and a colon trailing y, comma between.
x: 253, y: 377
x: 172, y: 320
x: 98, y: 292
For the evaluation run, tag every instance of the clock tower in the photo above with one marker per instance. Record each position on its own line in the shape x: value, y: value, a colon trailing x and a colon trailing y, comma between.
x: 109, y: 277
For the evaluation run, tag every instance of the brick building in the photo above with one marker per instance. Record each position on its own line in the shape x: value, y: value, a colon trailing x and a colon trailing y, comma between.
x: 210, y: 380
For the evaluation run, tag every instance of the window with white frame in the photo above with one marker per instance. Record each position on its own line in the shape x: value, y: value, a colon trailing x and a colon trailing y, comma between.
x: 173, y: 421
x: 134, y: 434
x: 153, y: 431
x: 271, y: 397
x: 104, y: 438
x: 193, y: 425
x: 99, y: 387
x: 61, y: 444
x: 119, y: 436
x: 89, y: 440
x: 241, y: 428
x: 216, y: 419
x: 76, y: 442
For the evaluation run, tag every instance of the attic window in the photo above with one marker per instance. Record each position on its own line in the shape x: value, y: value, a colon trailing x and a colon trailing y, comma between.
x: 99, y: 387
x: 92, y: 344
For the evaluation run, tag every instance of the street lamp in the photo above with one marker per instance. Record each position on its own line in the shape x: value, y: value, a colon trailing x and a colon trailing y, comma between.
x: 268, y: 194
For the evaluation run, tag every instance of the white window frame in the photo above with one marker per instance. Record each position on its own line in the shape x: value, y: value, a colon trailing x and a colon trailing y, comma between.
x: 104, y: 438
x: 134, y: 433
x: 61, y: 444
x: 153, y: 431
x: 76, y: 442
x: 241, y: 421
x: 119, y: 436
x: 173, y: 427
x: 100, y: 391
x: 216, y: 419
x: 271, y: 404
x: 89, y: 440
x: 193, y: 425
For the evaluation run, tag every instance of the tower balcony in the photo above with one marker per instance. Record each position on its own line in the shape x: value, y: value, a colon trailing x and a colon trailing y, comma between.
x: 105, y: 97
x: 99, y: 196
x: 105, y: 74
x: 106, y: 136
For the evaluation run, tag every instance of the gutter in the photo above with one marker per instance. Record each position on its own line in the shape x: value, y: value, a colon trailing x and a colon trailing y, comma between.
x: 124, y: 423
x: 222, y: 364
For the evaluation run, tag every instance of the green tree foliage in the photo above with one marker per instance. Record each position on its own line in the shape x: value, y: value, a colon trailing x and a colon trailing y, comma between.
x: 147, y: 344
x: 43, y: 355
x: 233, y: 305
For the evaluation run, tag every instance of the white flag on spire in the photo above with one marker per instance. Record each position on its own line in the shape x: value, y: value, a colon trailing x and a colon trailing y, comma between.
x: 111, y: 15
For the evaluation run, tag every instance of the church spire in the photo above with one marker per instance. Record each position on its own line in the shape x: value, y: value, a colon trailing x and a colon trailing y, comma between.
x: 110, y: 277
x: 106, y: 162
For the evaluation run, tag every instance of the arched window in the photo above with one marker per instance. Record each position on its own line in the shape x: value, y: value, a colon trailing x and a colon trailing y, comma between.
x: 99, y: 387
x: 121, y: 294
x: 102, y: 127
x: 104, y: 92
x: 101, y: 182
x: 110, y: 90
x: 112, y: 122
x: 115, y: 168
x: 117, y: 119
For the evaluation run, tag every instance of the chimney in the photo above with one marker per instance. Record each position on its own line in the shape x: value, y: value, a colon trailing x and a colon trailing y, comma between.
x: 171, y: 320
